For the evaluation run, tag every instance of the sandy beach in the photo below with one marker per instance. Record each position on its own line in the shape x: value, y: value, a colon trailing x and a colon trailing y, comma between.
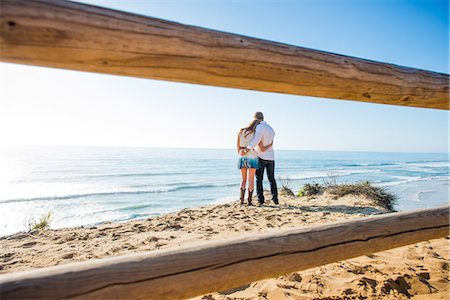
x: 419, y: 271
x: 131, y: 127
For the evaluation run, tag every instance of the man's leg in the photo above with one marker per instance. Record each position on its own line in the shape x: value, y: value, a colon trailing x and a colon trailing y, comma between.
x: 270, y: 165
x: 259, y: 181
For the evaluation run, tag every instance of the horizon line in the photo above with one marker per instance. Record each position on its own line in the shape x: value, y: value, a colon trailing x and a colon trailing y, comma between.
x: 218, y: 148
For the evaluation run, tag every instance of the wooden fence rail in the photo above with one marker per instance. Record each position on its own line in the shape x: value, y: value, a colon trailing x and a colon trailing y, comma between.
x: 75, y: 36
x: 216, y: 266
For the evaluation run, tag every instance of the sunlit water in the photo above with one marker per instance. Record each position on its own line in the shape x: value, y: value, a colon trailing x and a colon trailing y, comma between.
x: 86, y: 186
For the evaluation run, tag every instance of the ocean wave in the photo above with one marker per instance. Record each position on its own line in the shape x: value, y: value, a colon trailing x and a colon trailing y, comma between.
x: 405, y: 180
x: 425, y: 163
x: 112, y: 193
x: 370, y: 164
x: 432, y: 164
x: 99, y: 176
x: 135, y: 207
x: 74, y: 196
x: 131, y: 217
x: 145, y: 174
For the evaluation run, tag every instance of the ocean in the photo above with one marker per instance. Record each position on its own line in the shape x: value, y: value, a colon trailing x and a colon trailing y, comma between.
x: 91, y: 185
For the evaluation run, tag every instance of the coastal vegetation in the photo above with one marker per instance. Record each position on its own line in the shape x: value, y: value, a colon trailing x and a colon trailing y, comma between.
x: 286, y: 186
x: 42, y: 224
x: 379, y: 195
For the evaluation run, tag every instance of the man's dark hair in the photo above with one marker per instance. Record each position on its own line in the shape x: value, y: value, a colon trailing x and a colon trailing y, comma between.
x: 259, y: 116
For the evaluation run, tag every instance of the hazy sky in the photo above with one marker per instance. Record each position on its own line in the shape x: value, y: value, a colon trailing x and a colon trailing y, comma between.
x: 41, y: 106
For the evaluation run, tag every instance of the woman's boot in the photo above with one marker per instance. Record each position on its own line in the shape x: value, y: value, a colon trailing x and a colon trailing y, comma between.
x: 242, y: 195
x: 250, y: 197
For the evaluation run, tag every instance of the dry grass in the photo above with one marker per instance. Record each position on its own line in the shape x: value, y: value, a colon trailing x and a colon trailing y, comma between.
x: 378, y: 194
x: 43, y: 224
x: 286, y: 186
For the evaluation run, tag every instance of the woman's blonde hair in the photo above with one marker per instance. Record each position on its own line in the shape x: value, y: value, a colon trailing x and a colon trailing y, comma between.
x: 251, y: 127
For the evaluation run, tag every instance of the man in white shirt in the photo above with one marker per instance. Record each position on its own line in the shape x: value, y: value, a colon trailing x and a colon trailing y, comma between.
x: 264, y: 133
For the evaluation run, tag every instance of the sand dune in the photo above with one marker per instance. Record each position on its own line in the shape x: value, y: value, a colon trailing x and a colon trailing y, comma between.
x: 419, y: 271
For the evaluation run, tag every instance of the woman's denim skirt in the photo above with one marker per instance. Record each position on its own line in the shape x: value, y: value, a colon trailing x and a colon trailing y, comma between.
x: 248, y: 162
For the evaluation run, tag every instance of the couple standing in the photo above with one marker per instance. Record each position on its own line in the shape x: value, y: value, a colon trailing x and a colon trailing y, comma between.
x: 254, y: 145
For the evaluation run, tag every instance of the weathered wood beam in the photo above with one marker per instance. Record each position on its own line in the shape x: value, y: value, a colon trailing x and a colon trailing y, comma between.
x: 75, y: 36
x: 215, y: 266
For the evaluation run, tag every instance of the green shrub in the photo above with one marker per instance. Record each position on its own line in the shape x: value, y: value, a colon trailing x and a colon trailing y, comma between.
x: 311, y: 189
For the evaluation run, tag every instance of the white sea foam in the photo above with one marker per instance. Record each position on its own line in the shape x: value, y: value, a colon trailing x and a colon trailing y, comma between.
x: 408, y: 179
x: 224, y: 200
x: 326, y: 173
x: 430, y: 165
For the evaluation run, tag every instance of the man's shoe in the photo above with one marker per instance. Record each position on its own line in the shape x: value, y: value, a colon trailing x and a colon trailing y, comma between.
x: 275, y: 201
x: 261, y: 202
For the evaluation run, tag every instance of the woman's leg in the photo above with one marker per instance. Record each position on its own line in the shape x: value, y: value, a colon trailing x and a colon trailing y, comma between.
x: 251, y: 184
x: 243, y: 184
x: 244, y: 178
x: 251, y: 179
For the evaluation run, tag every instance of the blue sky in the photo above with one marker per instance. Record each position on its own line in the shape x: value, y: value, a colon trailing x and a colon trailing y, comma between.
x: 41, y: 106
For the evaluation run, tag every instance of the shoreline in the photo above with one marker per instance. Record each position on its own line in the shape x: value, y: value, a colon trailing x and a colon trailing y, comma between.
x: 92, y: 186
x: 429, y: 193
x: 25, y: 251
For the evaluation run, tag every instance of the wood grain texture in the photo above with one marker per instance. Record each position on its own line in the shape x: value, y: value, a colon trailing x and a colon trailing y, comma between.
x: 215, y: 266
x: 69, y: 35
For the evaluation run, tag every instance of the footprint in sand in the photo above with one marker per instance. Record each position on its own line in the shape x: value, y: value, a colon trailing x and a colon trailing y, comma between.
x: 159, y: 245
x: 7, y: 257
x: 28, y: 245
x: 68, y: 256
x: 140, y: 228
x: 115, y: 236
x: 286, y: 286
x: 128, y: 246
x: 152, y: 239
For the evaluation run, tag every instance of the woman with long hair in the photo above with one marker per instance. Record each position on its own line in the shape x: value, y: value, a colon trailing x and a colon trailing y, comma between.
x: 248, y: 161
